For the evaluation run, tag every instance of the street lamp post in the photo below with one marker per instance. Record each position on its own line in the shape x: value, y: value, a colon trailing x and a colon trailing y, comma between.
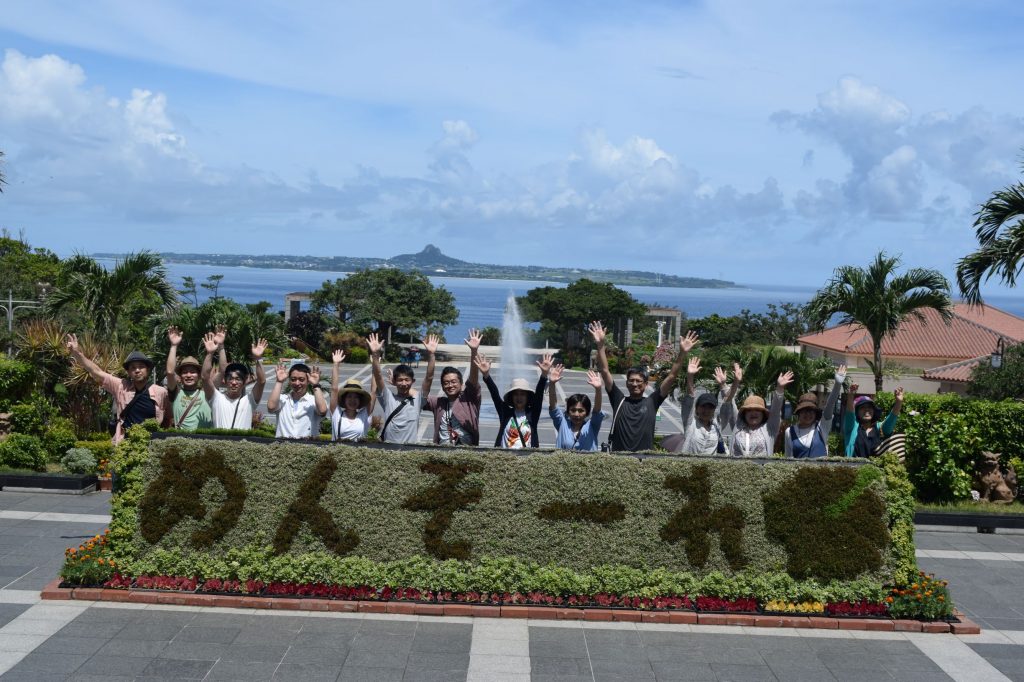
x: 9, y: 307
x: 997, y: 354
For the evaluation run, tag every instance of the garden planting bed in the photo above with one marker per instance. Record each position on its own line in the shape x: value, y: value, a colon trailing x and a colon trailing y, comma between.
x: 711, y: 540
x: 64, y: 483
x: 304, y: 598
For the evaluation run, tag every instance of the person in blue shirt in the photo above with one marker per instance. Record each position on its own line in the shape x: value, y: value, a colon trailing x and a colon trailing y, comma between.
x: 862, y: 432
x: 577, y: 429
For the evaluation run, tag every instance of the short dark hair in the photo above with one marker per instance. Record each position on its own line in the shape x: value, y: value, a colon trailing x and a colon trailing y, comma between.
x: 450, y: 370
x: 637, y: 370
x: 578, y: 399
x: 404, y: 370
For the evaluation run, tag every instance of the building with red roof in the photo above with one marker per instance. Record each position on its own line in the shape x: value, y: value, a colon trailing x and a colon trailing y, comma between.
x: 947, y: 352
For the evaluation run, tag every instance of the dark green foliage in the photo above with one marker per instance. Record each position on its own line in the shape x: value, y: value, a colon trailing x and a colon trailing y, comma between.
x: 58, y: 439
x: 22, y: 451
x: 563, y: 313
x: 387, y: 299
x: 307, y: 509
x: 781, y: 325
x: 490, y: 336
x: 101, y: 449
x: 899, y: 505
x: 27, y: 418
x: 824, y: 536
x: 946, y: 435
x: 444, y: 498
x: 1004, y: 383
x: 15, y: 381
x: 697, y: 518
x: 22, y: 268
x: 592, y: 511
x: 176, y: 494
x: 310, y: 326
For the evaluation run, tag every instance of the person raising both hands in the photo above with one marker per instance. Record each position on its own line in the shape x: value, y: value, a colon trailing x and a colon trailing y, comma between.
x: 519, y: 409
x: 401, y: 408
x: 299, y: 412
x: 577, y: 429
x: 457, y: 410
x: 233, y: 409
x: 862, y: 432
x: 633, y: 420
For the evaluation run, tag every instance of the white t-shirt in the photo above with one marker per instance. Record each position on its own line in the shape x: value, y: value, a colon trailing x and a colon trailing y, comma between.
x: 344, y: 428
x: 232, y: 414
x: 297, y: 418
x: 517, y: 432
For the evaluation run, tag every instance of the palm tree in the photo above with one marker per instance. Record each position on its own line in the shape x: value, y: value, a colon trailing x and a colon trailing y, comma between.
x: 102, y: 295
x: 879, y: 300
x: 998, y: 253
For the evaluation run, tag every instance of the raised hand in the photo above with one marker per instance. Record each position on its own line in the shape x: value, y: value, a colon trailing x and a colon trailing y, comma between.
x: 720, y: 376
x: 482, y: 363
x: 389, y: 375
x: 597, y: 332
x: 259, y: 348
x: 71, y: 342
x: 898, y: 393
x: 430, y: 343
x: 174, y: 335
x: 338, y: 356
x: 594, y: 379
x: 737, y: 373
x: 693, y: 366
x: 555, y: 374
x: 545, y: 363
x: 686, y: 343
x: 375, y: 343
x: 314, y: 375
x: 210, y: 342
x: 785, y: 379
x: 475, y: 337
x: 841, y: 373
x: 854, y: 388
x: 220, y: 332
x: 281, y: 372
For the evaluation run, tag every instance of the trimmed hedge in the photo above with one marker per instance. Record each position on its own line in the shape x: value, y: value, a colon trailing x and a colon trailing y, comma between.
x: 685, y: 515
x: 15, y: 381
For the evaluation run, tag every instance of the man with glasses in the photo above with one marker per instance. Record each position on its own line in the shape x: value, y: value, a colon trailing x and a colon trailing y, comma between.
x: 457, y: 410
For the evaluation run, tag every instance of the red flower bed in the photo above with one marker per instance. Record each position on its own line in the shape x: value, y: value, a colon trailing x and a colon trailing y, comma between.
x: 744, y: 604
x: 855, y: 609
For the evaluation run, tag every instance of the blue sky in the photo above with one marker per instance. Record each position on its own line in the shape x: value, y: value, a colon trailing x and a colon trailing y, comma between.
x: 759, y: 142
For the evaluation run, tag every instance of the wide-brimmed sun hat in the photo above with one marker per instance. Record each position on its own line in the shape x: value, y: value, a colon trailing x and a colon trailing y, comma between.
x: 354, y: 386
x: 189, y: 361
x: 753, y: 402
x: 137, y: 356
x: 808, y: 401
x: 517, y: 385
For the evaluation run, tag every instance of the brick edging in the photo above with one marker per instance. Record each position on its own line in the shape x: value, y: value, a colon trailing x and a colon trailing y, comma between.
x: 52, y: 591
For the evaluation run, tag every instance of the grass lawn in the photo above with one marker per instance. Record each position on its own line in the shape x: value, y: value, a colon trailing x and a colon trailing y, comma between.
x: 970, y: 507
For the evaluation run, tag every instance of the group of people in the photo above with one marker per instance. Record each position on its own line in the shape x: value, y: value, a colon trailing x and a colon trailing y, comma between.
x: 198, y: 395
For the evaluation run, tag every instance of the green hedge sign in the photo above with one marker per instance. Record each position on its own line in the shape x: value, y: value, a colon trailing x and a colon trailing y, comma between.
x: 818, y: 520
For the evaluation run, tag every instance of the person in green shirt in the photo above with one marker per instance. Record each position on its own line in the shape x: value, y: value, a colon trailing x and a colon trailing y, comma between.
x: 189, y: 408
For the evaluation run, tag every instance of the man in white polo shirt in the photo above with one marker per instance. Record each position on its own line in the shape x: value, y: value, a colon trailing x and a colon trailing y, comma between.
x: 300, y: 411
x: 234, y: 408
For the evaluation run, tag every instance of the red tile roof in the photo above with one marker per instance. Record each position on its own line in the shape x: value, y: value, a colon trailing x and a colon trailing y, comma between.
x: 959, y: 372
x: 970, y: 333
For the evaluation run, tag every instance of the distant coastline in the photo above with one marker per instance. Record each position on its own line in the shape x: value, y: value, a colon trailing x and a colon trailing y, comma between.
x: 430, y: 261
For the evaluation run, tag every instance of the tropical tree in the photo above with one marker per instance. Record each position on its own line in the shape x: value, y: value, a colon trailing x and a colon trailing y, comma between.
x: 387, y: 299
x: 999, y: 227
x: 563, y: 312
x: 763, y: 365
x: 879, y: 300
x: 133, y: 287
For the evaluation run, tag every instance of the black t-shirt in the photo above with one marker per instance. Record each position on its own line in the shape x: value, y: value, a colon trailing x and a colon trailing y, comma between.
x: 633, y: 426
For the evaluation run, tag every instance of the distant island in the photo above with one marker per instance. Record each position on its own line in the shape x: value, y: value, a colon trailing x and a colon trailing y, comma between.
x: 431, y: 261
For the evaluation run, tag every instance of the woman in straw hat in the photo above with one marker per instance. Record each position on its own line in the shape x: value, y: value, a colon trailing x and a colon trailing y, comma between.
x: 807, y: 438
x: 756, y: 425
x: 519, y: 409
x: 350, y: 405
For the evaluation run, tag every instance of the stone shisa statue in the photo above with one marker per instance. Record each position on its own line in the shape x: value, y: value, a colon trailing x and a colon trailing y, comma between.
x: 995, y: 483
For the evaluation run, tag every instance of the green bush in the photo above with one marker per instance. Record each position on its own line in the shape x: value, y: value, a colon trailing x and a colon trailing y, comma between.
x: 78, y: 461
x: 15, y: 381
x: 946, y: 435
x: 22, y: 451
x: 26, y: 418
x: 357, y: 355
x: 59, y: 438
x: 101, y: 449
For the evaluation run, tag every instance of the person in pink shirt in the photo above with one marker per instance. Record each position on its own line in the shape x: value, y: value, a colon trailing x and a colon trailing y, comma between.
x: 136, y: 399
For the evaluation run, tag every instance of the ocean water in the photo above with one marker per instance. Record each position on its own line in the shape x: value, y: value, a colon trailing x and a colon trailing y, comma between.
x: 481, y: 302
